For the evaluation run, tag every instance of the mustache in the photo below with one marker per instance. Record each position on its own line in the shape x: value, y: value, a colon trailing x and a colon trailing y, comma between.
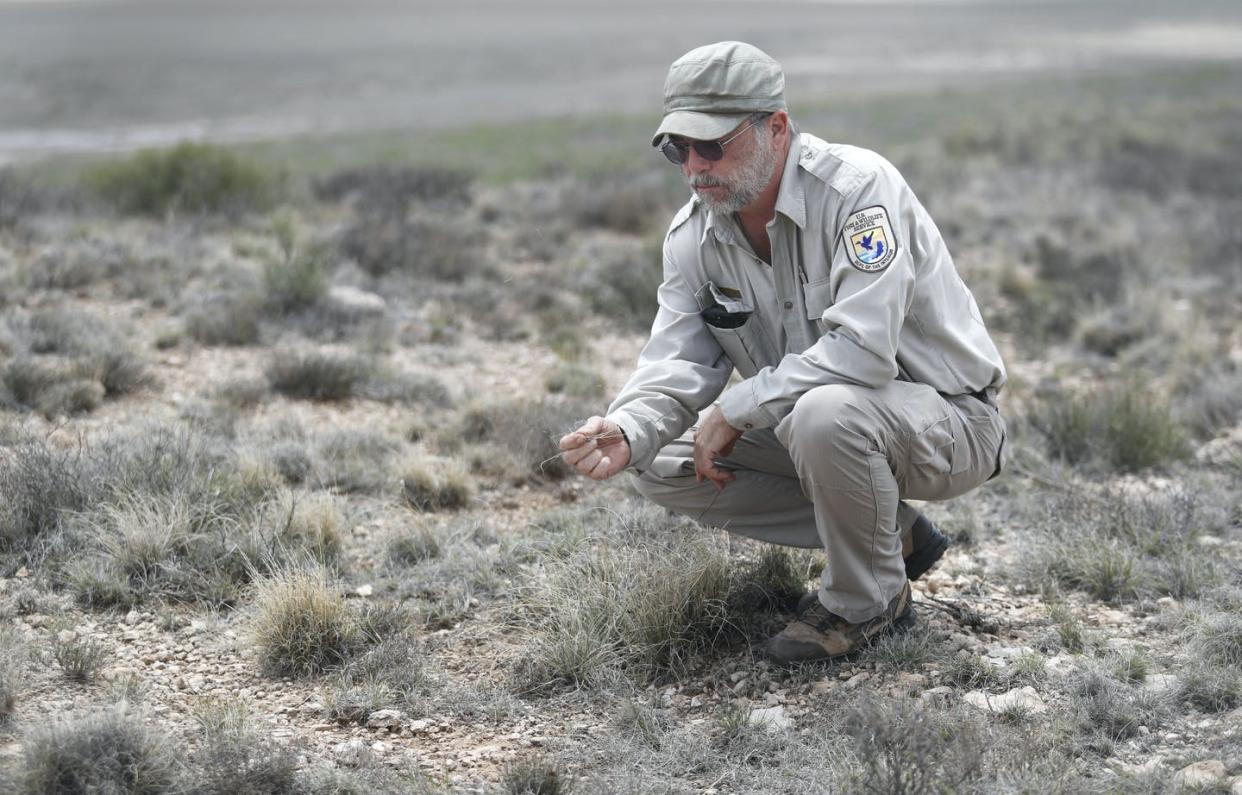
x: 704, y: 181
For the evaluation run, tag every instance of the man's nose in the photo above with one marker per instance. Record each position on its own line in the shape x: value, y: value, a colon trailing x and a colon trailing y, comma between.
x: 696, y: 163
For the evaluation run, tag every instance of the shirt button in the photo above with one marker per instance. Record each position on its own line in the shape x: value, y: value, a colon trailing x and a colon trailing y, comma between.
x: 789, y: 304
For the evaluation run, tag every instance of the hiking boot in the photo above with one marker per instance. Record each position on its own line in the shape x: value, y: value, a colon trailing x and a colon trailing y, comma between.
x: 819, y: 635
x: 922, y: 547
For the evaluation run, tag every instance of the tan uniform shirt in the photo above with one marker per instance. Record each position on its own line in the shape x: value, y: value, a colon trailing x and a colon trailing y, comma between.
x: 861, y: 290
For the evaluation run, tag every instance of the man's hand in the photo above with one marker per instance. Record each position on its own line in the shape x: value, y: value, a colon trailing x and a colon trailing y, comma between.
x: 714, y: 438
x: 598, y: 449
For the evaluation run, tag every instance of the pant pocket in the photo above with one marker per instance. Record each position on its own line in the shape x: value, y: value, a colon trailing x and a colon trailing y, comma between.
x: 934, y: 448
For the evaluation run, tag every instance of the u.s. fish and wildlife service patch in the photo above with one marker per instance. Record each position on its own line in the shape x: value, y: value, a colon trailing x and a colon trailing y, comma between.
x: 869, y: 241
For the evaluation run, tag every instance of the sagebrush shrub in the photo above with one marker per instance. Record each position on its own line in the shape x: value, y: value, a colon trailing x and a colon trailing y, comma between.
x: 389, y: 190
x: 318, y: 375
x: 225, y: 318
x: 296, y: 277
x: 112, y: 750
x: 236, y: 759
x: 81, y: 659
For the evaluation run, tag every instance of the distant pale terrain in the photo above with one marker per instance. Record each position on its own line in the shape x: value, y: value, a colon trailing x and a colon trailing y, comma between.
x: 99, y: 75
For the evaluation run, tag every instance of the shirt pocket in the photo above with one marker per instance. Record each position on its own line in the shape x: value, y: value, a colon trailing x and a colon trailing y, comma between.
x: 817, y: 297
x: 733, y: 324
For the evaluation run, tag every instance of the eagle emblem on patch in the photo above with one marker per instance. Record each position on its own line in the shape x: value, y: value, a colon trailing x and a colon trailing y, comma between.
x: 868, y: 239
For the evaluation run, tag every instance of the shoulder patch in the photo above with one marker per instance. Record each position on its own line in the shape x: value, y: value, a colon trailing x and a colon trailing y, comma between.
x: 868, y: 239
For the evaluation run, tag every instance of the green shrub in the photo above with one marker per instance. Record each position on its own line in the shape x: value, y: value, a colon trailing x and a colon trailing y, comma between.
x: 188, y: 178
x: 110, y: 751
x: 1114, y: 708
x: 620, y: 284
x: 1209, y: 687
x: 626, y: 204
x: 318, y: 375
x: 1124, y: 426
x: 392, y: 674
x: 407, y: 389
x: 20, y: 198
x: 297, y: 277
x: 176, y: 519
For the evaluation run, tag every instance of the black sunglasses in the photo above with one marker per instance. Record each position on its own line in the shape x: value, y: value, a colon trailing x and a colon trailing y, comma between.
x: 678, y: 152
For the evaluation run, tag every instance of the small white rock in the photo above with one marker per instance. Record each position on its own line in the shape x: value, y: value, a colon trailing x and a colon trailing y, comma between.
x: 1024, y: 698
x: 385, y: 719
x: 770, y: 718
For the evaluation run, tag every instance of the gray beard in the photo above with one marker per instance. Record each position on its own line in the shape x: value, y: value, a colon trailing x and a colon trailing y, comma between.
x: 743, y: 187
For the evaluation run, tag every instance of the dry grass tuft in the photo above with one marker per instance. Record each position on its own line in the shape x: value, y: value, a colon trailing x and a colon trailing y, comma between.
x: 435, y: 484
x: 639, y: 596
x: 301, y: 625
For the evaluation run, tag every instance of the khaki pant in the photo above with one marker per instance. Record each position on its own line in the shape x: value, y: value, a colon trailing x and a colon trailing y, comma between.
x: 832, y: 474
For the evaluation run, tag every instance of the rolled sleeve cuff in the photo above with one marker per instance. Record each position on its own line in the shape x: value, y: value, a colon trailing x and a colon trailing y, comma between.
x: 643, y: 446
x: 741, y: 408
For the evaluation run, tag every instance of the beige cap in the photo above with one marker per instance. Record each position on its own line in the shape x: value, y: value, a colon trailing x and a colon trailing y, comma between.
x: 712, y: 89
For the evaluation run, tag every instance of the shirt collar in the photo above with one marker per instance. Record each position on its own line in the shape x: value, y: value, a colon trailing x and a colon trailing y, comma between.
x: 790, y: 199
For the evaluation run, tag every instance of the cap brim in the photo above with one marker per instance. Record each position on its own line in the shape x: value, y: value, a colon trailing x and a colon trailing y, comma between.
x: 699, y: 126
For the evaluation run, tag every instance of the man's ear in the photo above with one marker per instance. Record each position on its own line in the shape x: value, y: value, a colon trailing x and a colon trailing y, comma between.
x: 778, y: 124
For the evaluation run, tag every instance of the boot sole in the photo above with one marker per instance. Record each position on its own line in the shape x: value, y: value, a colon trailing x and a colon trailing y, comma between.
x: 901, y: 625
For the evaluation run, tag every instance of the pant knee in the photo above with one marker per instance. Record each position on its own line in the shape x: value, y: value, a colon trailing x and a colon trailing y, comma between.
x: 833, y: 417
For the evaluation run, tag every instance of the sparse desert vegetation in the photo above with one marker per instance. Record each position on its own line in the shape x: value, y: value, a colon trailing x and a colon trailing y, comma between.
x: 283, y: 510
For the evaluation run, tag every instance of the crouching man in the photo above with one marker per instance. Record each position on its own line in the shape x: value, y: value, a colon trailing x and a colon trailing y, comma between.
x: 867, y: 375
